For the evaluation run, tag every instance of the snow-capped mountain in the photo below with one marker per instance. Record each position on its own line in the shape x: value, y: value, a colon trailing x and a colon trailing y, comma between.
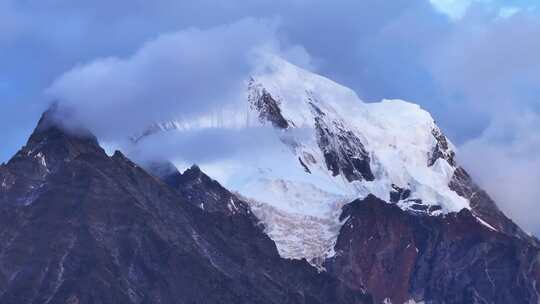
x: 332, y: 148
x: 369, y: 194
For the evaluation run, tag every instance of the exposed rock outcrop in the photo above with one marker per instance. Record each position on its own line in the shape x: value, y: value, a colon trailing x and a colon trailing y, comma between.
x: 343, y: 151
x: 455, y: 258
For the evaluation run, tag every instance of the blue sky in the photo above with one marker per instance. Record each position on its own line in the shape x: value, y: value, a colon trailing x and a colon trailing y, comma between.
x: 474, y: 64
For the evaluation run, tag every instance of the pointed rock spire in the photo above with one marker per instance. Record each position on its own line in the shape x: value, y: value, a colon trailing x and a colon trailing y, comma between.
x: 52, y: 143
x: 51, y: 124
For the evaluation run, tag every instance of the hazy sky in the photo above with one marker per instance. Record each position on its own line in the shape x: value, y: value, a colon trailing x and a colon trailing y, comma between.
x: 474, y: 64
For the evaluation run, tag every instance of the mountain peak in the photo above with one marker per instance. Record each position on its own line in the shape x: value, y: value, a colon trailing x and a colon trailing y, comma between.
x: 161, y: 169
x: 48, y: 118
x: 194, y: 171
x: 50, y: 124
x: 52, y: 144
x: 330, y: 142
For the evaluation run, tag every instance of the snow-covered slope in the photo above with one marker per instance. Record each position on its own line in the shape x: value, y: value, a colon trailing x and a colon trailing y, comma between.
x: 327, y: 148
x: 398, y: 139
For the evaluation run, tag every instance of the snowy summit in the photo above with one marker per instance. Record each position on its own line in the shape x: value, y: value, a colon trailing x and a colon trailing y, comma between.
x: 332, y: 148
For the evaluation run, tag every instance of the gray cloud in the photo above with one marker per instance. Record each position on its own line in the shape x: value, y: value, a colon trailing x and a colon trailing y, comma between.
x: 491, y: 64
x: 491, y: 61
x: 505, y: 161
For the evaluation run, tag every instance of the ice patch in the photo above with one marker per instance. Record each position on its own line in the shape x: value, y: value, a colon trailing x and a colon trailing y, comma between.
x: 298, y: 235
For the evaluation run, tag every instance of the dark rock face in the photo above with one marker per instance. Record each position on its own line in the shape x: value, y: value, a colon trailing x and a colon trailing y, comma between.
x: 441, y: 149
x: 267, y: 107
x: 306, y: 168
x: 343, y: 151
x: 102, y: 230
x: 483, y: 206
x: 450, y: 259
x: 47, y: 149
x: 203, y: 192
x: 399, y: 194
x: 413, y: 205
x: 153, y: 129
x: 481, y: 203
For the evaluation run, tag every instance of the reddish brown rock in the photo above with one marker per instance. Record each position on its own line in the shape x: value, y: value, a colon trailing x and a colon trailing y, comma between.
x: 445, y: 259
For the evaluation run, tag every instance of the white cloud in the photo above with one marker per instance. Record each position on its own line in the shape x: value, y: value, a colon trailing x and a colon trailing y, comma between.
x: 181, y: 74
x: 455, y: 9
x: 505, y: 161
x: 492, y: 66
x: 508, y: 11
